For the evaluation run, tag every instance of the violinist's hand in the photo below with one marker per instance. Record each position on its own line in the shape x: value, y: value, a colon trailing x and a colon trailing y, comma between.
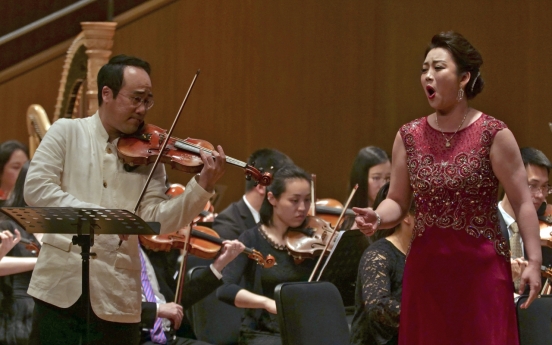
x: 173, y: 312
x: 8, y: 241
x: 270, y: 306
x: 122, y: 238
x: 228, y: 252
x: 530, y: 276
x: 366, y: 220
x: 213, y: 168
x: 518, y: 265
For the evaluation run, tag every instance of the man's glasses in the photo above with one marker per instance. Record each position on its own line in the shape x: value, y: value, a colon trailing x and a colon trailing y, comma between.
x: 137, y: 101
x: 545, y: 190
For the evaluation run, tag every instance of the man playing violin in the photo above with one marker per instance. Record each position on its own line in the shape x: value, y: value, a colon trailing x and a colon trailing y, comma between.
x: 76, y: 165
x: 537, y: 166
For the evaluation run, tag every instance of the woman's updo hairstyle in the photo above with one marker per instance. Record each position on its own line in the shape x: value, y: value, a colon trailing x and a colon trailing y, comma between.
x: 278, y: 186
x: 466, y: 57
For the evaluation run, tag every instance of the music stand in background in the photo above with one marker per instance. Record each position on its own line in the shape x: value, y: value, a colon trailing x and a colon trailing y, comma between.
x: 341, y: 265
x: 85, y: 222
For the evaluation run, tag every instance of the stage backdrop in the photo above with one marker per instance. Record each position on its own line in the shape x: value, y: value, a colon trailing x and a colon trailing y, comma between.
x: 317, y: 80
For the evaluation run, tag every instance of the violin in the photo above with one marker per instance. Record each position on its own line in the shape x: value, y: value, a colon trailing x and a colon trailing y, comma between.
x: 204, y: 243
x: 208, y: 211
x: 330, y: 209
x: 309, y: 240
x: 544, y: 214
x: 143, y: 147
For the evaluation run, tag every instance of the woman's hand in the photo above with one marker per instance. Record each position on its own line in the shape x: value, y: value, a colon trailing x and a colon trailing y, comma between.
x: 367, y: 220
x: 530, y: 276
x: 270, y: 306
x: 8, y: 241
x: 229, y: 251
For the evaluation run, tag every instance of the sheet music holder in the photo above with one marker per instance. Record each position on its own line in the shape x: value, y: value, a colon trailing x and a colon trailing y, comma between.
x: 85, y: 223
x: 341, y: 265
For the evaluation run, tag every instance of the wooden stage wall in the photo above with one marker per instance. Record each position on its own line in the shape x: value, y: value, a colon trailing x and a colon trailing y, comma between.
x: 317, y: 80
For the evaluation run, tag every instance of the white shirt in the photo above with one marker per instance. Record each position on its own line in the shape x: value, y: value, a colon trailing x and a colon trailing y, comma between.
x: 253, y: 211
x: 76, y: 166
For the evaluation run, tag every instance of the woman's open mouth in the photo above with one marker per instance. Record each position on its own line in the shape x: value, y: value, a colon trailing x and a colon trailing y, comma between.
x: 430, y: 92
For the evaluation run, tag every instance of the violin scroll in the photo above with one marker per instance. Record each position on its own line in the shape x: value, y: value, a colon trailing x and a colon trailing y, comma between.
x: 257, y: 256
x: 262, y: 178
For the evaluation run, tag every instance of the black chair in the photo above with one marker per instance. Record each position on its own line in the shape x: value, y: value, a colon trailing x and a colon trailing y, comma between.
x: 311, y: 313
x: 213, y: 321
x: 535, y: 322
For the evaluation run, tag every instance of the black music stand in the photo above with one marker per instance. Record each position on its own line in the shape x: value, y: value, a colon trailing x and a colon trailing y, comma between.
x: 341, y: 266
x: 85, y: 222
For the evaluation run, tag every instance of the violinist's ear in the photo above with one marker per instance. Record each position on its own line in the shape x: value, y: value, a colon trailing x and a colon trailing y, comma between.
x: 107, y: 94
x: 260, y: 189
x: 271, y: 198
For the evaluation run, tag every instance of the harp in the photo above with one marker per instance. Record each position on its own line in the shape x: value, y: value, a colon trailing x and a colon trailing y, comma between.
x: 78, y: 92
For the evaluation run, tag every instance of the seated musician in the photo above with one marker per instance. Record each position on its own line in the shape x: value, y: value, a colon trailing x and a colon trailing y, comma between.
x: 76, y: 165
x: 158, y: 314
x: 16, y: 308
x: 537, y: 166
x: 244, y: 214
x: 379, y: 283
x: 13, y: 155
x: 371, y: 169
x: 285, y: 206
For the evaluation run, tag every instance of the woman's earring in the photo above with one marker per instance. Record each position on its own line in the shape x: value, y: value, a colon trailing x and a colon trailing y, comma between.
x: 460, y: 95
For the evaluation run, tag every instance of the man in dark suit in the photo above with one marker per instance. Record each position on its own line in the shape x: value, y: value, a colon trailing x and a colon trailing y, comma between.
x: 153, y: 282
x: 537, y: 166
x: 244, y: 214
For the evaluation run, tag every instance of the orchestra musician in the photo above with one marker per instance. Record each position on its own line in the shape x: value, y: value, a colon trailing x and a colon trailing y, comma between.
x: 452, y: 161
x: 537, y: 166
x: 244, y: 213
x: 76, y: 165
x: 379, y: 282
x: 370, y: 171
x: 16, y: 309
x: 286, y: 205
x: 13, y: 155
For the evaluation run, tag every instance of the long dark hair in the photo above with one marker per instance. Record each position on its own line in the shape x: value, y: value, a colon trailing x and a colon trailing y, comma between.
x: 278, y: 186
x: 465, y: 56
x: 7, y: 149
x: 16, y: 196
x: 366, y: 158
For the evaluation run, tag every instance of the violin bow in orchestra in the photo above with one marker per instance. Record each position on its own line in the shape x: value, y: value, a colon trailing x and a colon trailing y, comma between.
x: 332, y: 236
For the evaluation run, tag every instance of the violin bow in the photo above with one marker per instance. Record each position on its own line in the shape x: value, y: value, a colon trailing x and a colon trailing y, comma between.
x: 313, y: 196
x: 332, y: 235
x: 165, y: 142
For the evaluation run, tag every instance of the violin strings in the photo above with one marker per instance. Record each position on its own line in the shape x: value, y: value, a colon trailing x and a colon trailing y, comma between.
x: 228, y: 159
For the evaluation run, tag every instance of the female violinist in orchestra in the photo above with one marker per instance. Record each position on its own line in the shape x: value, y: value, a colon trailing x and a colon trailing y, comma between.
x: 371, y: 169
x: 13, y: 155
x: 379, y: 282
x: 285, y: 206
x: 17, y: 306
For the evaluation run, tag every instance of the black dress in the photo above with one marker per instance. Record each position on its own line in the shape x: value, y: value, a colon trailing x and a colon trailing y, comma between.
x: 16, y: 306
x: 259, y: 326
x: 378, y: 295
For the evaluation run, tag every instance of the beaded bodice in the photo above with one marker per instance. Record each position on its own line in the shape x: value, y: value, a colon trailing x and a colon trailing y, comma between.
x: 455, y: 187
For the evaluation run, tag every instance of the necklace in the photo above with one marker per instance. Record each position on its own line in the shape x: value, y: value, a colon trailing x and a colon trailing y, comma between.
x: 447, y: 140
x: 269, y: 240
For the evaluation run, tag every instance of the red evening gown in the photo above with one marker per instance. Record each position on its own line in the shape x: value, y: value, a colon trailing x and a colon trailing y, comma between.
x: 457, y: 284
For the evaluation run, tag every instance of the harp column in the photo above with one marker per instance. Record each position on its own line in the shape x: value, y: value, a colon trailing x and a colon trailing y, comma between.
x: 98, y: 40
